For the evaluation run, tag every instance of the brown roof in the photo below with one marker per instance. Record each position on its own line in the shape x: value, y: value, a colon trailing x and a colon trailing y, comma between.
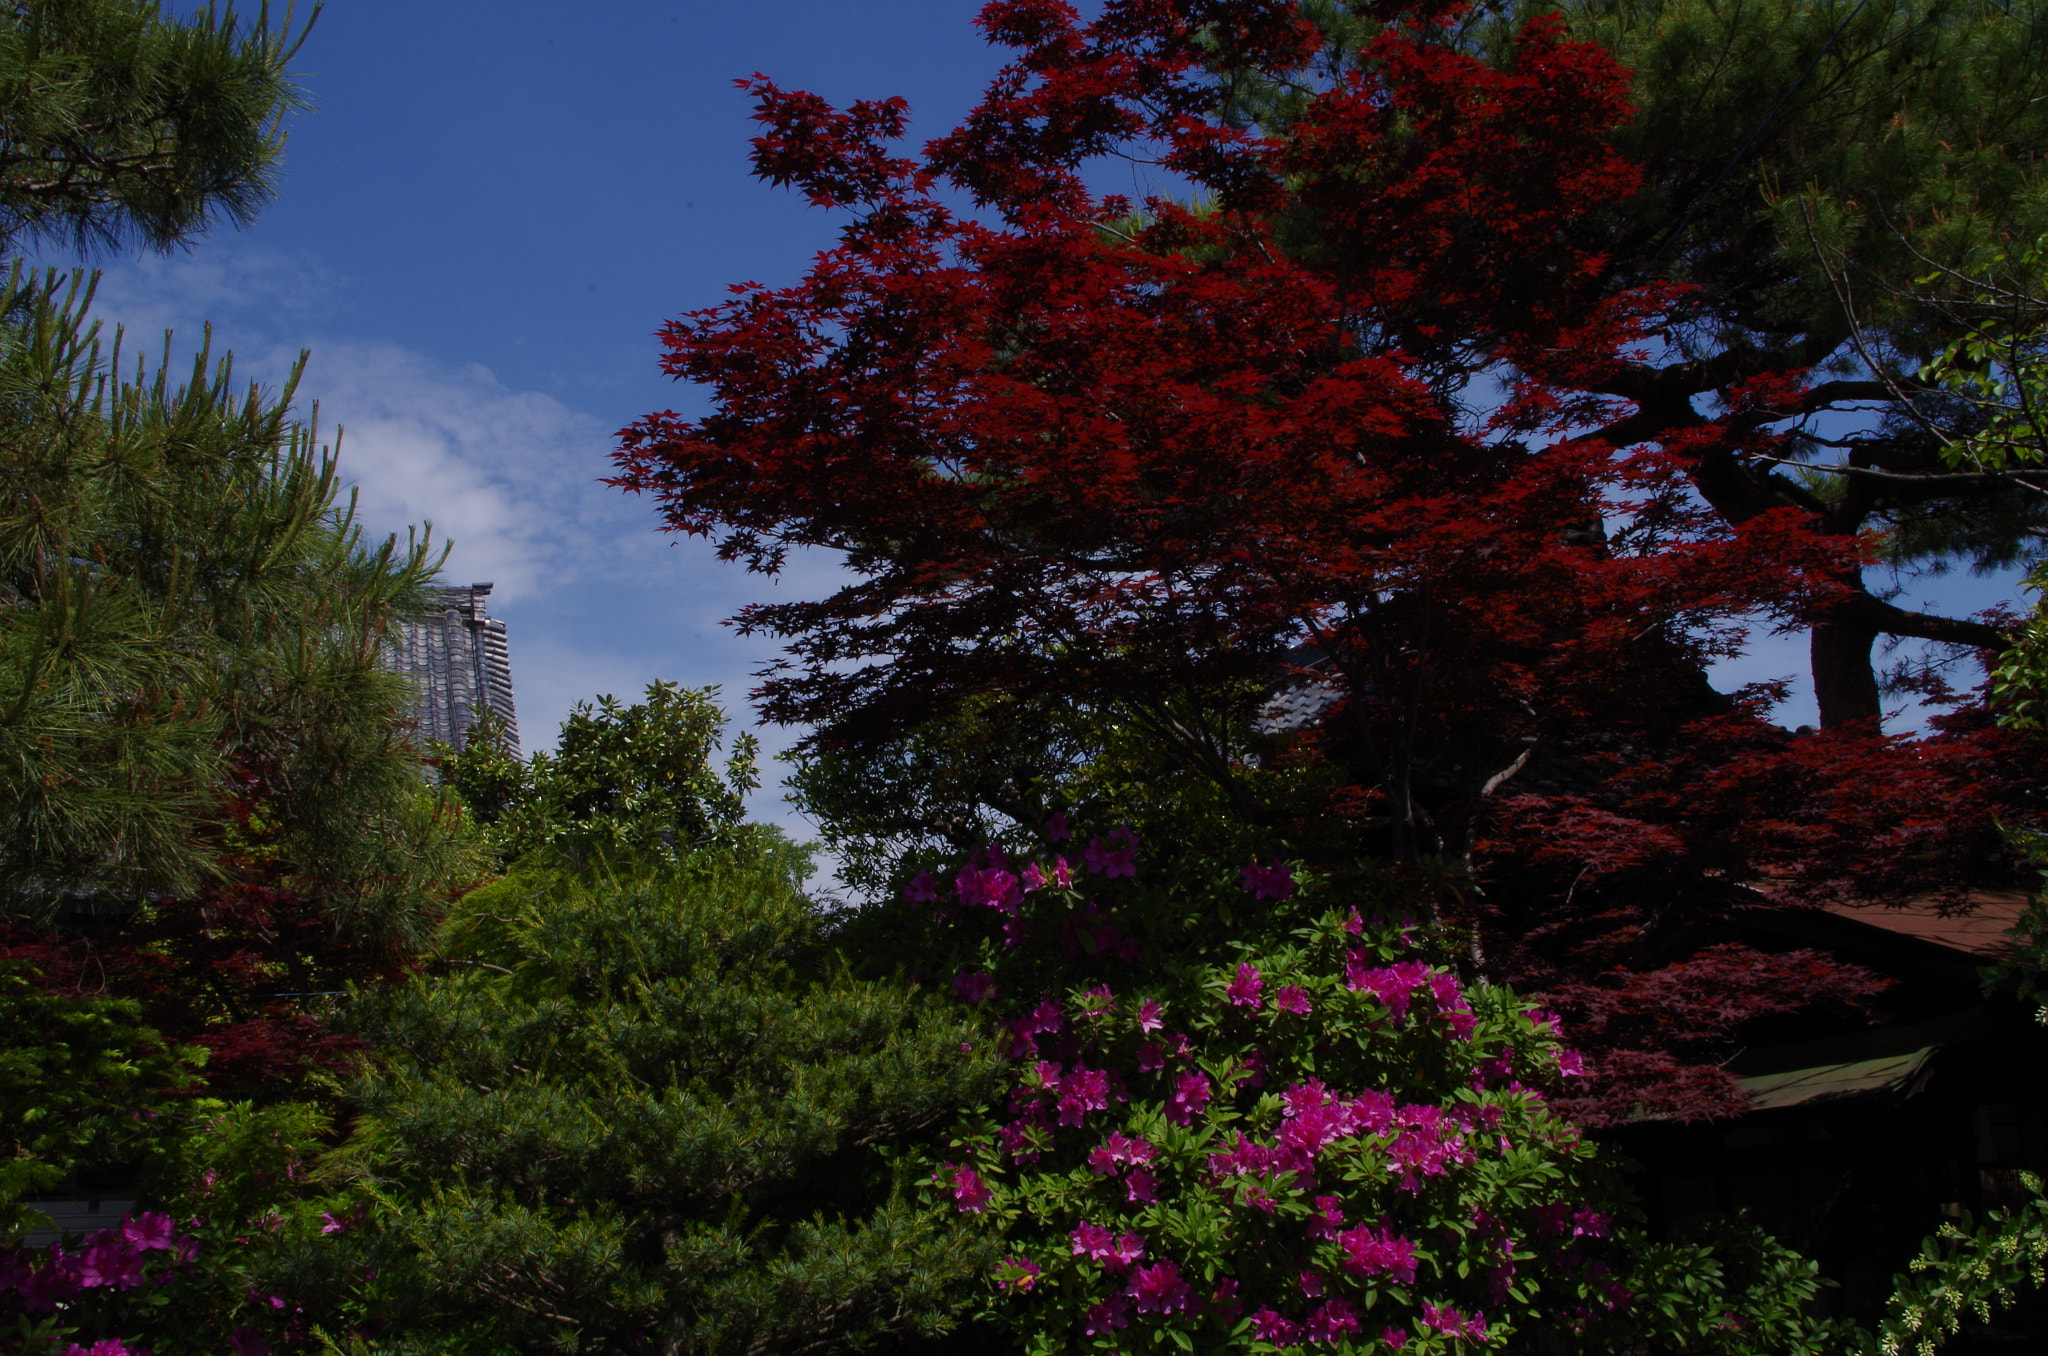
x: 1982, y: 932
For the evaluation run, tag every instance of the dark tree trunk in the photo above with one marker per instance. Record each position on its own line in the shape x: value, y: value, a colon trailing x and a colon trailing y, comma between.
x: 1844, y: 682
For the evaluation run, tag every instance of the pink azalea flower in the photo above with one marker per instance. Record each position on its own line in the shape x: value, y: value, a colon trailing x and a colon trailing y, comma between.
x: 1017, y: 1273
x: 922, y: 888
x: 1062, y: 874
x: 1191, y: 1094
x: 970, y: 1193
x: 1268, y: 1326
x: 1160, y: 1289
x: 1451, y: 1323
x: 1327, y: 1219
x: 1332, y: 1323
x: 151, y: 1231
x: 1141, y: 1187
x: 1093, y: 1242
x: 1570, y: 1065
x: 1151, y: 1056
x: 1106, y: 1317
x: 993, y: 888
x: 1084, y: 1090
x: 1118, y: 858
x: 1129, y: 1249
x: 109, y: 1259
x: 1243, y: 991
x: 1150, y: 1015
x: 1393, y: 985
x: 1268, y: 882
x: 1131, y: 1149
x: 1034, y: 879
x: 1311, y: 1285
x: 1045, y: 1019
x: 1378, y: 1252
x: 1395, y: 1337
x: 1294, y: 999
x: 1224, y: 1302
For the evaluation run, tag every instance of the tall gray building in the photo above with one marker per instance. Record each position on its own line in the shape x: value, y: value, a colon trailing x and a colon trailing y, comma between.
x: 457, y: 654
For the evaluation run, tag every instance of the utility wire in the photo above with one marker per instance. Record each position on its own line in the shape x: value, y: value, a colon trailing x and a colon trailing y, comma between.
x: 1754, y: 137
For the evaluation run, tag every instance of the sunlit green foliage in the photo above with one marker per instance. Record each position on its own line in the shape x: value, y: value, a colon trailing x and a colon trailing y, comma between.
x: 118, y: 125
x: 649, y: 1104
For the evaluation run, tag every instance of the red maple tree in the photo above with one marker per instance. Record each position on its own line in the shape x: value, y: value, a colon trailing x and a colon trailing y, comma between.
x: 1335, y: 397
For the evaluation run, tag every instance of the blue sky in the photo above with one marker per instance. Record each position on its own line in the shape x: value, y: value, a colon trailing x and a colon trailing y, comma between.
x: 486, y: 216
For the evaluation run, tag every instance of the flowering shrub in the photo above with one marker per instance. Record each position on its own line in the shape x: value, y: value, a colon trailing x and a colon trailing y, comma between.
x: 200, y: 1275
x: 144, y: 1252
x: 1315, y: 1138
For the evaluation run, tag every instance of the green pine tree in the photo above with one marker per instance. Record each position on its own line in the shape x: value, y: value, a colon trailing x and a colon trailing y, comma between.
x: 650, y: 1110
x: 119, y: 126
x: 191, y: 636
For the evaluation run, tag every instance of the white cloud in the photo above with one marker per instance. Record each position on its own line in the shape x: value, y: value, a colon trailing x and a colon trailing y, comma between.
x: 596, y: 600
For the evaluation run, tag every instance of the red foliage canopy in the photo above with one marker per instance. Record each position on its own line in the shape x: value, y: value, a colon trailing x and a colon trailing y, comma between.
x: 1063, y: 446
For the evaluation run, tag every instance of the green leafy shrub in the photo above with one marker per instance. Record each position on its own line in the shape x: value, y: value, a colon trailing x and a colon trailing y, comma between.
x: 650, y: 1108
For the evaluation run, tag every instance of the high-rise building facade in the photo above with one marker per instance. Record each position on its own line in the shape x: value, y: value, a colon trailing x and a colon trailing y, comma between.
x: 457, y: 654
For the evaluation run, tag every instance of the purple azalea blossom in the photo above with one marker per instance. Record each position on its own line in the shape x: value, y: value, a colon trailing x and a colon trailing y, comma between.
x: 1268, y: 1326
x: 1159, y: 1289
x: 1293, y: 998
x: 151, y: 1230
x: 1378, y: 1252
x: 970, y: 1193
x: 1119, y: 857
x: 1093, y: 1242
x: 1332, y: 1323
x: 1243, y: 991
x: 1393, y: 985
x: 1451, y: 1323
x: 1268, y: 882
x: 993, y: 888
x: 1018, y: 1273
x: 1106, y: 1317
x: 1191, y: 1094
x: 1083, y: 1091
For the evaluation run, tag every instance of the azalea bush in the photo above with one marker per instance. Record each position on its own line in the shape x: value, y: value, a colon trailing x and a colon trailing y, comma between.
x: 1314, y: 1135
x: 234, y: 1191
